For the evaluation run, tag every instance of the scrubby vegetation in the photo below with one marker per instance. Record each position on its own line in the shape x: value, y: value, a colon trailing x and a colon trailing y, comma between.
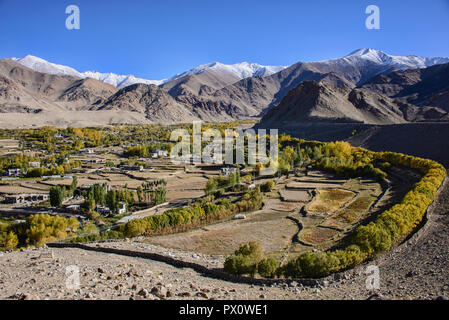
x: 221, y: 184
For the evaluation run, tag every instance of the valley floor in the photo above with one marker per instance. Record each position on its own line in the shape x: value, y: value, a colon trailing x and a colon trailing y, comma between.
x: 415, y: 271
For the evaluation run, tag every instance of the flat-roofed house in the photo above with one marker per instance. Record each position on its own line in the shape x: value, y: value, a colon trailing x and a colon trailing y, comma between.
x: 121, y: 207
x: 26, y: 198
x: 34, y: 164
x: 14, y: 172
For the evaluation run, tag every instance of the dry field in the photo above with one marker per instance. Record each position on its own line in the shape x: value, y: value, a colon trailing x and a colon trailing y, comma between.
x: 267, y: 226
x: 276, y: 226
x: 328, y: 201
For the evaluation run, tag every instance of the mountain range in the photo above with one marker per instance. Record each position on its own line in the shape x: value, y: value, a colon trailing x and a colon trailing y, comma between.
x: 366, y: 86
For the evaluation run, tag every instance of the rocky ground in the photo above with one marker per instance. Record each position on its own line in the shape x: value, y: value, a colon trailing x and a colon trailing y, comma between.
x: 417, y: 269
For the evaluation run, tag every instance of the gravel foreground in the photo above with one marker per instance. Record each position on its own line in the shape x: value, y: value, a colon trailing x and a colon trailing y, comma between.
x: 416, y: 270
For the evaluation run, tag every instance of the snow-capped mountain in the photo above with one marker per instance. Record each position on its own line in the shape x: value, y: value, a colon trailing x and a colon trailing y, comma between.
x: 41, y: 65
x: 402, y: 62
x: 238, y: 70
x: 241, y: 70
x: 119, y: 81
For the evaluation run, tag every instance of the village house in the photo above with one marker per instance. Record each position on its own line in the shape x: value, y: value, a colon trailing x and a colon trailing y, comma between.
x: 74, y: 207
x: 103, y: 210
x: 131, y: 168
x: 24, y: 198
x: 86, y: 151
x: 226, y: 171
x: 34, y: 164
x: 14, y: 172
x: 122, y: 207
x: 160, y: 153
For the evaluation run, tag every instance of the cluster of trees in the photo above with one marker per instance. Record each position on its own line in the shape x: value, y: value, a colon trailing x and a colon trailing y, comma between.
x: 388, y: 229
x: 222, y: 183
x: 249, y: 259
x: 57, y: 193
x: 36, y: 231
x: 99, y: 195
x: 202, y: 211
x: 152, y: 192
x: 51, y: 165
x: 268, y: 186
x: 339, y: 158
x: 145, y: 150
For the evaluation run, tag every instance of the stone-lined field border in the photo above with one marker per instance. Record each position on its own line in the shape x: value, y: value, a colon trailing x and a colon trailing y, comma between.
x: 222, y: 275
x: 209, y: 272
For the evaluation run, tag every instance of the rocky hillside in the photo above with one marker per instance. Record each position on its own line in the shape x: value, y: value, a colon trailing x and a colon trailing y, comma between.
x: 314, y: 101
x: 422, y: 87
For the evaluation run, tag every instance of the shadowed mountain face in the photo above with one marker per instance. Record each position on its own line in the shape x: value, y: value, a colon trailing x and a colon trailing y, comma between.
x: 322, y: 102
x: 422, y: 87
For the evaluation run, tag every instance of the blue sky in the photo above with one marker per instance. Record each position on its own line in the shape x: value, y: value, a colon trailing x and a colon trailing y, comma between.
x: 157, y: 39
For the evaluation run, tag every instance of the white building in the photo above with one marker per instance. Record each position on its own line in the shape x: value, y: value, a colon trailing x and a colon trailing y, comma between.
x: 14, y: 172
x: 121, y: 207
x: 226, y: 171
x: 34, y: 164
x: 161, y: 153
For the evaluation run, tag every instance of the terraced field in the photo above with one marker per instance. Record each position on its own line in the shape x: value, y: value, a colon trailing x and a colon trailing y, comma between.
x: 295, y: 219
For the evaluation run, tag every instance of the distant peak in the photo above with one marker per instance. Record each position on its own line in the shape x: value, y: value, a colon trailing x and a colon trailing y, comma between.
x: 364, y: 51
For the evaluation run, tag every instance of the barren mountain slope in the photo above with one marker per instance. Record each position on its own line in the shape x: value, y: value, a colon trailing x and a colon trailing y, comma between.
x: 321, y: 102
x: 24, y: 89
x: 150, y: 100
x: 88, y: 91
x: 422, y: 87
x: 208, y: 80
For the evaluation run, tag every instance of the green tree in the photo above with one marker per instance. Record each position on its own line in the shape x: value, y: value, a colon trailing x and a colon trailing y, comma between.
x: 56, y: 196
x: 267, y: 268
x: 111, y: 200
x: 74, y: 184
